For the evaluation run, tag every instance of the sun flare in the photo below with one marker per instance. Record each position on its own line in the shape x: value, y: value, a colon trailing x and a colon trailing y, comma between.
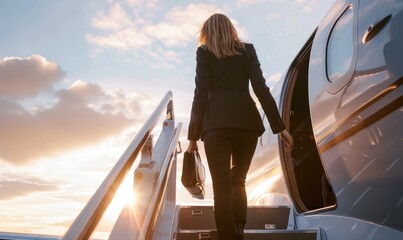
x: 123, y: 196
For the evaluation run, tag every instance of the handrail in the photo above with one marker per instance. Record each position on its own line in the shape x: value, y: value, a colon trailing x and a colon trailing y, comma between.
x: 150, y: 219
x: 87, y: 220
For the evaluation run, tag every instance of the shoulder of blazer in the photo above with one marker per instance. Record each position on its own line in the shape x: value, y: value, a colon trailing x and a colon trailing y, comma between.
x: 249, y: 46
x: 250, y: 50
x: 202, y: 54
x: 202, y: 49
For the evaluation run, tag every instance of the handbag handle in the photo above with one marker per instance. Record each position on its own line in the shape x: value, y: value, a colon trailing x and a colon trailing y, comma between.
x: 197, y: 155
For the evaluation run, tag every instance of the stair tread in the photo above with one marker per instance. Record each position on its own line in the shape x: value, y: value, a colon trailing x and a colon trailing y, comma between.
x: 263, y: 231
x: 259, y: 217
x: 253, y: 235
x: 263, y: 223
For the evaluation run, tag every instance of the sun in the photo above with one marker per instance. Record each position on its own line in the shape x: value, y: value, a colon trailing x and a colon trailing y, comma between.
x: 123, y: 196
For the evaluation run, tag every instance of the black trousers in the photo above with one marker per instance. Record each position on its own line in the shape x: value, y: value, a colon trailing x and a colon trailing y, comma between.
x: 230, y: 200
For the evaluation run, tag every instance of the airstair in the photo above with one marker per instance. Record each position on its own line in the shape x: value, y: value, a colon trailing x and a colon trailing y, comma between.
x: 157, y: 216
x: 263, y: 223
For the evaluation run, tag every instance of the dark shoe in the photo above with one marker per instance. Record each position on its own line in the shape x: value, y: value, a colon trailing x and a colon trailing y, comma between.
x: 239, y: 227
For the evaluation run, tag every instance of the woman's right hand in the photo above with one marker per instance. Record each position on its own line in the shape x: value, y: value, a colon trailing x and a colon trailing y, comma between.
x: 192, y: 146
x: 287, y: 138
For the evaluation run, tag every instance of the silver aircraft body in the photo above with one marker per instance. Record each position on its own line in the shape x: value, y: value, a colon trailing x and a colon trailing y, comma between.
x: 341, y: 99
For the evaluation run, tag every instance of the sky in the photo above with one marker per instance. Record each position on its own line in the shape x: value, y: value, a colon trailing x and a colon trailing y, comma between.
x: 78, y: 79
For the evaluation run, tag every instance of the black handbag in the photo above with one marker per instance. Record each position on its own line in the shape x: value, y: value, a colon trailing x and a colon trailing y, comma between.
x: 193, y: 174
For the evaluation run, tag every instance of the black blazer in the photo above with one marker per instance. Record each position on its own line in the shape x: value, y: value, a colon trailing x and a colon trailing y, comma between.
x: 222, y: 99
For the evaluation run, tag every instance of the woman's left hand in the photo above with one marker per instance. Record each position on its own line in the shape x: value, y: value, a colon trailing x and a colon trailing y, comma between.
x: 287, y: 138
x: 192, y: 146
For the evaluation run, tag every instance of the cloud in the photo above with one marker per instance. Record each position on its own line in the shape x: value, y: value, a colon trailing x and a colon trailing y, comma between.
x: 181, y: 24
x: 135, y: 3
x: 137, y: 30
x: 150, y: 4
x: 274, y: 78
x: 125, y: 39
x: 12, y: 189
x: 25, y: 77
x: 14, y: 185
x: 179, y: 27
x: 116, y: 19
x: 251, y: 2
x: 164, y: 58
x: 83, y: 114
x: 305, y: 6
x: 122, y: 32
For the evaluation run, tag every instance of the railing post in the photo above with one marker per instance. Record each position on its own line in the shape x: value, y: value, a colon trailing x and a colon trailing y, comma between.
x: 170, y: 111
x: 143, y: 183
x: 147, y: 152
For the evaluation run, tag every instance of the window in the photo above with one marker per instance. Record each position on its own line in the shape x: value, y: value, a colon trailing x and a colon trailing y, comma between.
x: 340, y: 52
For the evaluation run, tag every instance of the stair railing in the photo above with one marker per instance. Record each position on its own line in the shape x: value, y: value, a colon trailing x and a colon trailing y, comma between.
x: 162, y: 203
x: 152, y: 214
x: 87, y: 220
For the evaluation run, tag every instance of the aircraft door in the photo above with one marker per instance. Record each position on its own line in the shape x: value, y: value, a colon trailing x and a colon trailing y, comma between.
x: 322, y: 69
x: 380, y: 33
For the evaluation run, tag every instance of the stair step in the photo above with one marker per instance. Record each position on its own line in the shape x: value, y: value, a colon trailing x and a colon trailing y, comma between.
x: 202, y: 217
x: 267, y: 217
x: 251, y: 235
x: 281, y: 235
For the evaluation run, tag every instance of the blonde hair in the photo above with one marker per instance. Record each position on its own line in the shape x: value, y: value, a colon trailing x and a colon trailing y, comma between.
x: 220, y: 37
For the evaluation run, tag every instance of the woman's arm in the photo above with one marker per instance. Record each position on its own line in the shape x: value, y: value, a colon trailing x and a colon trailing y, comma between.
x: 263, y: 92
x: 200, y: 98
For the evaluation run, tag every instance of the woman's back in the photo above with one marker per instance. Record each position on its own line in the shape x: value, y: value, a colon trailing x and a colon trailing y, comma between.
x: 229, y: 74
x: 226, y: 84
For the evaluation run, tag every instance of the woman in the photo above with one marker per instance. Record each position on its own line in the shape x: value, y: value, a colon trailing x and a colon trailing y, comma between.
x: 226, y: 118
